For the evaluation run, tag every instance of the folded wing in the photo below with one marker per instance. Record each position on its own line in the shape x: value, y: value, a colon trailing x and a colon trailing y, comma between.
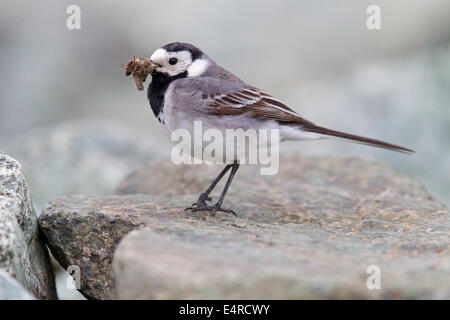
x: 252, y: 102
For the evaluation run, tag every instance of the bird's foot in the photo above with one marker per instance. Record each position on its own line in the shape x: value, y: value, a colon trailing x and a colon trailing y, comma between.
x: 201, y: 201
x: 213, y: 209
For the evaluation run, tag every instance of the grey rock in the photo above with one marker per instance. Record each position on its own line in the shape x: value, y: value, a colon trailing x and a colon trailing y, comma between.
x: 22, y: 251
x: 80, y: 231
x: 11, y: 289
x: 88, y: 156
x: 310, y: 231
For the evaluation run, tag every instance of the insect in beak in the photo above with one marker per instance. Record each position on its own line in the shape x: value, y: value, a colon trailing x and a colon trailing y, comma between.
x: 155, y: 65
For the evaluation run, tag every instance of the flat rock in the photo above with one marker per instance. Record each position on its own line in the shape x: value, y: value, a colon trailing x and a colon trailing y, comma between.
x: 23, y: 254
x: 311, y: 231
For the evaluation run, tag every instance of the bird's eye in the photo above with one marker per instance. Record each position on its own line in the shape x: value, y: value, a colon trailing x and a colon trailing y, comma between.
x: 173, y: 61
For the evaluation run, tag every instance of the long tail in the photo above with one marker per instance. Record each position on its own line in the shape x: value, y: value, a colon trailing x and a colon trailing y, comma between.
x: 355, y: 138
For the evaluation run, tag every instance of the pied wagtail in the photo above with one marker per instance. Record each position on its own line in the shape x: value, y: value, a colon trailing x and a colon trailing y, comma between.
x: 189, y: 86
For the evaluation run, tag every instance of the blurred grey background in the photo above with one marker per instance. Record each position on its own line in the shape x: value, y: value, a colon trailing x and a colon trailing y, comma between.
x: 64, y: 89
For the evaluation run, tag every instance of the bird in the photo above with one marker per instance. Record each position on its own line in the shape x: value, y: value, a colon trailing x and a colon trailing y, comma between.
x: 187, y: 85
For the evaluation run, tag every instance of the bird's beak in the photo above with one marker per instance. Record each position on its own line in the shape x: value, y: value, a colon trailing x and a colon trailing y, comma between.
x: 157, y: 58
x: 155, y: 64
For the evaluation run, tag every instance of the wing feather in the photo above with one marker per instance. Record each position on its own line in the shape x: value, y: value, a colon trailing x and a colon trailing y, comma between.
x: 257, y: 104
x: 254, y: 103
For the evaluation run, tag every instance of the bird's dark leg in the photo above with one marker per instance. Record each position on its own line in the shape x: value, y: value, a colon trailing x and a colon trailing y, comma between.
x: 205, y: 195
x: 218, y: 205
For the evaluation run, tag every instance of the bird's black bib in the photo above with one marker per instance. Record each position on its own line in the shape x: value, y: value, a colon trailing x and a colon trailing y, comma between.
x: 157, y: 89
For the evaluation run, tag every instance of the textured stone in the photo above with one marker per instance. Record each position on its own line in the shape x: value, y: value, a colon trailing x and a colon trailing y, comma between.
x: 310, y: 231
x: 83, y: 231
x: 22, y: 252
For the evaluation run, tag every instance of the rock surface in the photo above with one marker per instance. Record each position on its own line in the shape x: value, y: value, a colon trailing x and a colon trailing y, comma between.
x: 83, y: 231
x: 311, y: 231
x: 11, y: 289
x: 78, y: 156
x: 22, y: 252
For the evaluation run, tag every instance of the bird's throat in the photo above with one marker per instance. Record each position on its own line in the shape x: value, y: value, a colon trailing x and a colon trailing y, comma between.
x: 158, y: 87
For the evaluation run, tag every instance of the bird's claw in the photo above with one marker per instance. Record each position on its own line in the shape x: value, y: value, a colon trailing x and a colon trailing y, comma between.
x: 201, y: 201
x: 215, y: 208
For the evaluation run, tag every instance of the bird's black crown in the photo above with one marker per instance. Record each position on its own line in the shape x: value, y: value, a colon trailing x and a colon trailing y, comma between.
x: 181, y: 46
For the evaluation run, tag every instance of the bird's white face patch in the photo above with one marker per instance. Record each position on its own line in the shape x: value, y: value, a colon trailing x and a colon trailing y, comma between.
x: 197, y: 68
x: 165, y: 61
x: 183, y: 63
